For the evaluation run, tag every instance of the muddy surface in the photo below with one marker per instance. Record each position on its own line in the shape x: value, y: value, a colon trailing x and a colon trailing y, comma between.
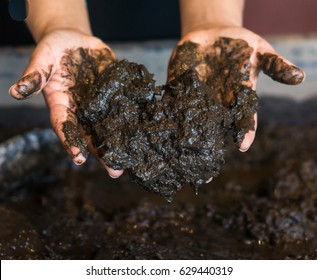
x: 261, y: 206
x: 165, y: 137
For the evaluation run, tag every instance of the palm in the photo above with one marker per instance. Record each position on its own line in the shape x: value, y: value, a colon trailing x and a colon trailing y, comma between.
x: 56, y: 64
x: 229, y: 59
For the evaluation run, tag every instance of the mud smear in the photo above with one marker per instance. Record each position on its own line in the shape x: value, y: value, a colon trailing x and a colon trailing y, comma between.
x: 47, y: 74
x: 170, y: 136
x: 225, y: 68
x: 72, y: 135
x: 275, y: 67
x: 29, y: 84
x: 80, y: 65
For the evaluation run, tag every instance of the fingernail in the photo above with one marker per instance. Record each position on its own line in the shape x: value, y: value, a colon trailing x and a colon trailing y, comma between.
x: 243, y: 149
x: 113, y: 177
x: 209, y: 180
x: 79, y: 159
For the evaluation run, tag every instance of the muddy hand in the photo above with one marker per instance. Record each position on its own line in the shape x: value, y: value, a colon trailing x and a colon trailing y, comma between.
x: 55, y: 65
x: 229, y: 61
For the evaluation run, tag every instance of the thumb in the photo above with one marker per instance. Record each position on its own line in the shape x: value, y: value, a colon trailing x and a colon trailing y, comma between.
x: 279, y: 69
x: 34, y: 78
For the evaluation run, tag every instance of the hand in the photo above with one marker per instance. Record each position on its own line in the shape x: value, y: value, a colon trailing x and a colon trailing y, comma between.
x: 229, y: 59
x: 57, y: 61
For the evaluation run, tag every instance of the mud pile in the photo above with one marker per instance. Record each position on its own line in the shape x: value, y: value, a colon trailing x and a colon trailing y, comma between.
x: 165, y: 137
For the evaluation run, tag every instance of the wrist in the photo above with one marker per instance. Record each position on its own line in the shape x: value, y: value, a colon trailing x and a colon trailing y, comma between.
x: 207, y: 14
x: 46, y: 16
x: 58, y: 26
x: 210, y: 25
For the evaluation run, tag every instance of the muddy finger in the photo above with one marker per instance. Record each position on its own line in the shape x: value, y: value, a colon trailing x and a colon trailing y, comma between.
x: 65, y: 125
x: 112, y: 172
x: 279, y: 69
x: 27, y: 86
x: 248, y: 137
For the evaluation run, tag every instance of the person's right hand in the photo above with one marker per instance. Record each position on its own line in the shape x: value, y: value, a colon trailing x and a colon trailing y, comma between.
x: 52, y: 69
x: 229, y: 59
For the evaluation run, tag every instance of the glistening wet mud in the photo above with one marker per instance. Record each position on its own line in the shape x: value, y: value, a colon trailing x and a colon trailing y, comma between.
x: 170, y: 136
x: 261, y: 206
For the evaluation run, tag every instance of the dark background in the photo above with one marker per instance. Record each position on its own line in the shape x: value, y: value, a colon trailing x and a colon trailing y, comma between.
x: 127, y: 20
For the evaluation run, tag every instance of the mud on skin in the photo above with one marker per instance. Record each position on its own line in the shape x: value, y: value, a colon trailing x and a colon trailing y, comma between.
x: 225, y: 68
x: 274, y: 67
x: 80, y: 65
x: 176, y: 139
x: 29, y: 84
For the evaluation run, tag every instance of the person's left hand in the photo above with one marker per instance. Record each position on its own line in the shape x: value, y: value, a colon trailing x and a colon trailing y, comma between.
x: 228, y: 59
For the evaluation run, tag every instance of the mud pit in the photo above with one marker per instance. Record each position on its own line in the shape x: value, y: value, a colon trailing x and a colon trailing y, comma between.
x: 164, y: 137
x: 261, y: 206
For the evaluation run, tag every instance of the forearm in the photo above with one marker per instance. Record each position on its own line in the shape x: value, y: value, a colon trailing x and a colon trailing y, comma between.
x: 203, y: 14
x: 48, y: 15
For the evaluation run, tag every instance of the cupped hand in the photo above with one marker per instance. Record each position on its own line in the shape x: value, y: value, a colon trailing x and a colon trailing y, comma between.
x: 59, y: 59
x: 229, y: 59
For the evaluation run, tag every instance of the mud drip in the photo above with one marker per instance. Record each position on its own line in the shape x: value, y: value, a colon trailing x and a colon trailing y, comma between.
x: 167, y: 142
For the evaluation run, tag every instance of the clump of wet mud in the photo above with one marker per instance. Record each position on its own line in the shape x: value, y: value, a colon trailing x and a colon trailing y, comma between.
x: 165, y: 137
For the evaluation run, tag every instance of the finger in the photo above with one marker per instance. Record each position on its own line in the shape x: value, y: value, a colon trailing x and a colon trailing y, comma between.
x: 279, y: 68
x: 35, y: 76
x: 249, y: 137
x: 112, y: 172
x: 64, y: 123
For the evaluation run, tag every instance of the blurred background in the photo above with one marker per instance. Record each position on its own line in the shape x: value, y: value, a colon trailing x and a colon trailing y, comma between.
x: 126, y: 20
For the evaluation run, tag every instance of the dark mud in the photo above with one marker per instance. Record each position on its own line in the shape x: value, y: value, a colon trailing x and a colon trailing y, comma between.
x: 72, y: 135
x: 165, y: 137
x: 261, y: 206
x: 225, y: 67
